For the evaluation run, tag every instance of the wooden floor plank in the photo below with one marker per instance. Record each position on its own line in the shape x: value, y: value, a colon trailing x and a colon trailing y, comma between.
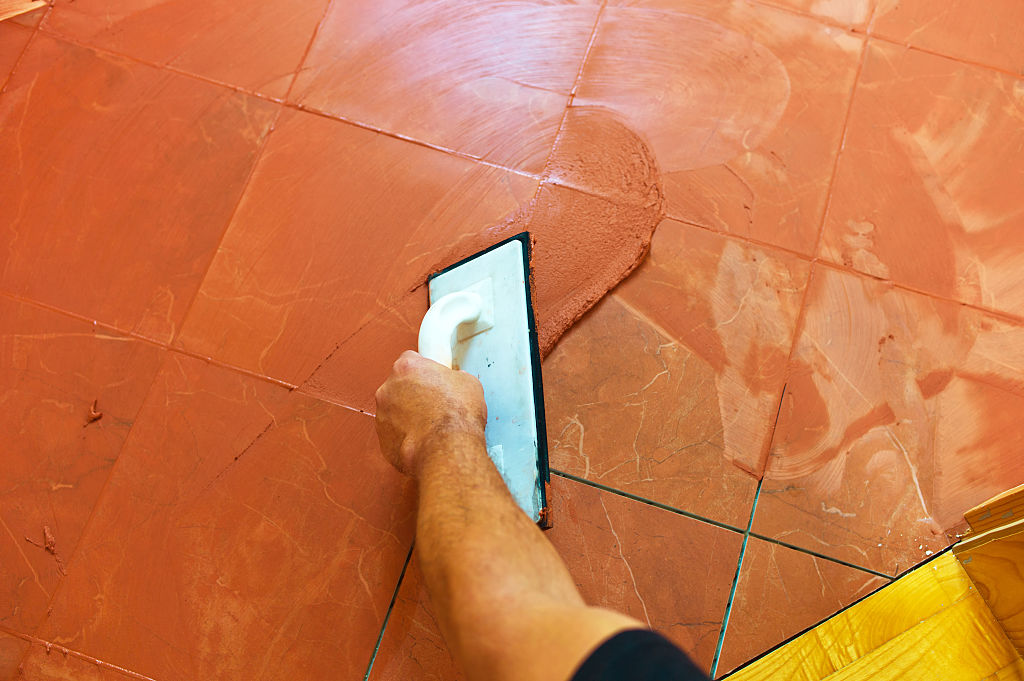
x: 12, y: 8
x: 849, y: 635
x: 995, y: 563
x: 962, y: 642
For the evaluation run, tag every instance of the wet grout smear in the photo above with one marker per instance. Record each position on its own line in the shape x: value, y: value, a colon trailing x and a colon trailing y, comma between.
x: 699, y: 96
x: 583, y: 243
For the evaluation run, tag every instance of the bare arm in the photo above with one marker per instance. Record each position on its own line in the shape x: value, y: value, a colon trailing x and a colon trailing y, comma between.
x: 507, y: 606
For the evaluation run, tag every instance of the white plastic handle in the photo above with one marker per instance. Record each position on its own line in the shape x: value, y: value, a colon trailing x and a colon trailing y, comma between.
x: 442, y: 321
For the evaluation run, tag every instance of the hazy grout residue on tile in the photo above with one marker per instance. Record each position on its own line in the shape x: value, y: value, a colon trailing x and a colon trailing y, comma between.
x: 215, y: 237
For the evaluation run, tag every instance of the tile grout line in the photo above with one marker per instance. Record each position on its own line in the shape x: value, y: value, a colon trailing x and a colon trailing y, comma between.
x: 33, y: 32
x: 798, y: 328
x: 643, y: 500
x: 586, y: 57
x: 801, y: 318
x: 735, y: 584
x: 999, y: 314
x: 339, y: 118
x: 179, y: 351
x: 842, y: 145
x: 50, y: 646
x: 819, y: 18
x: 256, y: 163
x: 387, y: 615
x: 716, y: 523
x: 959, y: 60
x: 309, y: 48
x: 56, y: 35
x: 817, y: 554
x: 867, y: 29
x: 131, y: 335
x: 544, y: 174
x: 823, y: 262
x: 467, y: 157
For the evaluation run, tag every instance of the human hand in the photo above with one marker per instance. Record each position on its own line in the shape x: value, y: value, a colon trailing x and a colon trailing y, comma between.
x: 421, y: 402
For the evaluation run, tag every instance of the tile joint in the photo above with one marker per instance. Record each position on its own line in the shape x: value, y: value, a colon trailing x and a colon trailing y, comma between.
x: 735, y: 583
x: 387, y: 615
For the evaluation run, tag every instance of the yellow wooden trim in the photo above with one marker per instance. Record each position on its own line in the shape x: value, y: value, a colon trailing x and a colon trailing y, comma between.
x: 912, y: 613
x: 838, y: 641
x: 995, y: 563
x: 1011, y: 672
x: 998, y: 510
x: 12, y: 8
x: 962, y: 642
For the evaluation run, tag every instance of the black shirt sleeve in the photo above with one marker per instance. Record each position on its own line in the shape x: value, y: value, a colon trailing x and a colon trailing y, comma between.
x: 638, y: 655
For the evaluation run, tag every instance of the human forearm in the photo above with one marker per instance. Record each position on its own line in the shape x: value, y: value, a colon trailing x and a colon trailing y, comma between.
x: 467, y: 519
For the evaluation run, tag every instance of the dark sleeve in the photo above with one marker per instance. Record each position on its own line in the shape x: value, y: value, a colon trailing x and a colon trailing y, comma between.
x: 638, y: 655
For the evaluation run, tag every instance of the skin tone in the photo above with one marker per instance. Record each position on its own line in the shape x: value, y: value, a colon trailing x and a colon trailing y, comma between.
x: 505, y: 602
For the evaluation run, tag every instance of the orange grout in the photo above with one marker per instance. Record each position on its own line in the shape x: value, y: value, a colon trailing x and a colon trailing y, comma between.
x: 801, y: 317
x: 742, y: 238
x: 586, y: 52
x: 257, y: 158
x: 842, y: 145
x: 867, y: 29
x: 570, y: 98
x: 50, y: 647
x: 959, y: 60
x: 991, y: 312
x: 71, y: 40
x: 406, y: 138
x: 17, y: 62
x: 291, y: 387
x: 309, y: 47
x: 288, y: 105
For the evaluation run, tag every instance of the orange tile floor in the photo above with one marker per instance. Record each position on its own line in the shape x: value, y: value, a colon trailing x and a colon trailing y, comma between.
x: 212, y: 214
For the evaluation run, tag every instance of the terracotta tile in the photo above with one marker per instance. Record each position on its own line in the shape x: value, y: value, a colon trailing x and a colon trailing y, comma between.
x: 57, y: 457
x: 488, y: 79
x: 957, y: 29
x: 257, y: 47
x: 413, y: 648
x: 337, y: 225
x: 733, y: 306
x: 126, y: 179
x: 608, y: 240
x: 632, y: 408
x: 13, y: 39
x: 235, y: 538
x: 900, y: 413
x: 742, y: 105
x: 850, y: 13
x: 671, y: 572
x: 42, y: 661
x: 361, y: 361
x: 930, y: 168
x: 780, y: 593
x: 659, y: 567
x: 12, y: 650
